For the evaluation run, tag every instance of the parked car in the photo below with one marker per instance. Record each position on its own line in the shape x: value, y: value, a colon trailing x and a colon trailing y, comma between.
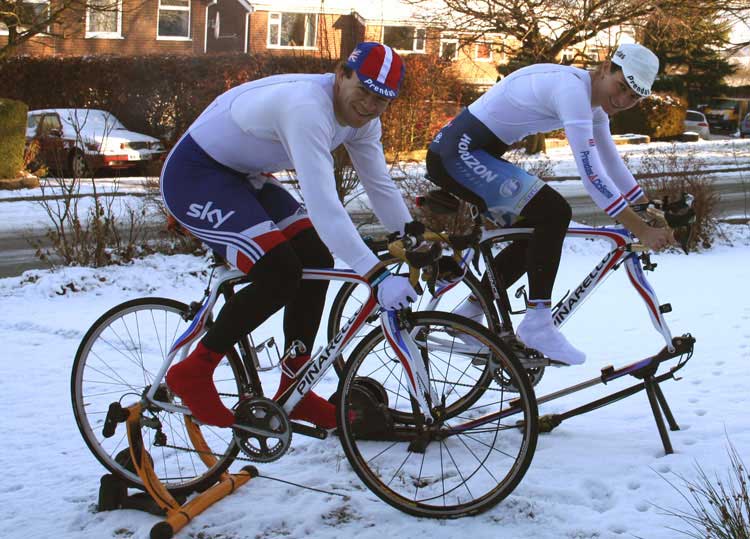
x: 745, y: 126
x: 83, y: 141
x: 696, y: 122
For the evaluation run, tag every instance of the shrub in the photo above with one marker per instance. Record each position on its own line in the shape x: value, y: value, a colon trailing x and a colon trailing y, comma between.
x: 161, y: 95
x: 12, y: 137
x: 668, y: 174
x: 659, y: 117
x: 719, y: 508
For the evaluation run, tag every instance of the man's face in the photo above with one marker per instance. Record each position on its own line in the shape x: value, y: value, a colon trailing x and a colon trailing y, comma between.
x: 613, y: 93
x: 353, y: 104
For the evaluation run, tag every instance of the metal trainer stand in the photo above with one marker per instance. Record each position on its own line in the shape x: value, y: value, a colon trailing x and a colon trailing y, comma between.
x: 157, y: 499
x: 644, y: 370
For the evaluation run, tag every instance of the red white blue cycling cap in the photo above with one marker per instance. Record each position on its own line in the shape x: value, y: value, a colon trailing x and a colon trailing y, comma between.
x: 378, y: 67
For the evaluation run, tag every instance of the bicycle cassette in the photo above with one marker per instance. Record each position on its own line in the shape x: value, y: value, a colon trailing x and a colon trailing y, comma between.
x: 263, y: 431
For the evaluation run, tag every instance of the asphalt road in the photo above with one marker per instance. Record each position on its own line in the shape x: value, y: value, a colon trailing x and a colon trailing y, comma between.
x: 17, y: 254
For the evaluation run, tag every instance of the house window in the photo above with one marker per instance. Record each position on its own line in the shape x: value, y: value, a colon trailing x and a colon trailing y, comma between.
x: 483, y: 52
x: 292, y: 29
x: 404, y: 38
x: 104, y: 18
x: 448, y: 48
x: 30, y: 12
x: 174, y: 19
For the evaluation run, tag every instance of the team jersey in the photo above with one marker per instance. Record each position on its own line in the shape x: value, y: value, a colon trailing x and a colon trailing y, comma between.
x: 544, y: 97
x: 287, y: 122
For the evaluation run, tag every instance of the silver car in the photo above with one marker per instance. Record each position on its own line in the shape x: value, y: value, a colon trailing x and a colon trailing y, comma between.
x: 696, y: 122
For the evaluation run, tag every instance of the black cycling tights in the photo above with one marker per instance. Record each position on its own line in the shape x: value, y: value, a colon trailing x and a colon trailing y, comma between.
x: 277, y: 282
x: 549, y: 213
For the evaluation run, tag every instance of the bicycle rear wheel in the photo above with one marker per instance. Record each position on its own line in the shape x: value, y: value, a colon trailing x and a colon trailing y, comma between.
x: 479, y: 448
x: 116, y: 362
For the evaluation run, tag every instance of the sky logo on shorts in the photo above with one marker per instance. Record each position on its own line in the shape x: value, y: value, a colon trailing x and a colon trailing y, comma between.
x: 205, y: 213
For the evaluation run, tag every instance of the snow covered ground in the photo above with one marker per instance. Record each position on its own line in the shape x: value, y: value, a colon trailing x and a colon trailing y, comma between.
x: 602, y: 475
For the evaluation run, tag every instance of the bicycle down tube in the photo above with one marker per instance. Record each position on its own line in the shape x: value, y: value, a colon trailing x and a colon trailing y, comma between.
x: 310, y: 373
x: 620, y: 240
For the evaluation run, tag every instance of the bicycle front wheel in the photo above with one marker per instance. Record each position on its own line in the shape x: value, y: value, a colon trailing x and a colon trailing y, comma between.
x: 116, y: 362
x: 477, y: 450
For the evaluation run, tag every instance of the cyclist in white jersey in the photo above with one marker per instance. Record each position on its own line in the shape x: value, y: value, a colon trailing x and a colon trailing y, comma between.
x: 464, y: 158
x: 217, y: 184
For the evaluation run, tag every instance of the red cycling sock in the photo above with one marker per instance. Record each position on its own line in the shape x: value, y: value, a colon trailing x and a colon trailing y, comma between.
x: 312, y: 408
x: 192, y: 380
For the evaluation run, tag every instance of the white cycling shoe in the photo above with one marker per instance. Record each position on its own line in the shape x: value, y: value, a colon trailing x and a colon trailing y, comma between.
x: 537, y: 331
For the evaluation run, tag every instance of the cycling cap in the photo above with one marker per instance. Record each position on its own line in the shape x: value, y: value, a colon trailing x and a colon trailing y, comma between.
x: 378, y: 67
x: 639, y: 65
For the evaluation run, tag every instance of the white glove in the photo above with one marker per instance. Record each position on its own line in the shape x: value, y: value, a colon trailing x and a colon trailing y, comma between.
x: 395, y: 292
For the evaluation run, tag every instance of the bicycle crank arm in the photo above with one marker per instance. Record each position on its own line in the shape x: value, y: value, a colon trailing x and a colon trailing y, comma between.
x: 259, y: 432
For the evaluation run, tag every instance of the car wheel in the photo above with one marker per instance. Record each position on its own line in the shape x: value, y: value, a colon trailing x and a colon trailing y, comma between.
x: 78, y: 165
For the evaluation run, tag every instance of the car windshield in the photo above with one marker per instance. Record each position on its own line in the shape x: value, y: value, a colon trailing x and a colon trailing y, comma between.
x: 695, y: 117
x: 93, y: 119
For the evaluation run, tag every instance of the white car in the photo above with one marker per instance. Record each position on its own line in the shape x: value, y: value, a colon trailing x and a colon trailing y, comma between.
x: 696, y: 122
x: 82, y: 141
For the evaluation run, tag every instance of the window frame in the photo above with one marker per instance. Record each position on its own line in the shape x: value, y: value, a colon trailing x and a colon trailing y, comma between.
x: 449, y: 39
x: 189, y: 10
x: 417, y: 30
x: 105, y: 35
x: 269, y: 45
x: 488, y: 44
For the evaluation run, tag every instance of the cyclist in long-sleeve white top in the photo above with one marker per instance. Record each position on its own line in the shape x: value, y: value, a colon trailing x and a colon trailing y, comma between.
x: 216, y: 182
x: 464, y: 158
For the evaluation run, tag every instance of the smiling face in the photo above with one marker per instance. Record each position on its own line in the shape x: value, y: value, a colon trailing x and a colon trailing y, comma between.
x: 353, y: 104
x: 610, y: 91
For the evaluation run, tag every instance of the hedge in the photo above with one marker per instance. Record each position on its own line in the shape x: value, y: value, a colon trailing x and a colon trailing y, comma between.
x: 12, y: 137
x: 659, y: 117
x: 161, y: 95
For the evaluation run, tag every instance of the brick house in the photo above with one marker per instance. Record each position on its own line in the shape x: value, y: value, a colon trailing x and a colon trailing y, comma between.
x: 308, y: 27
x: 119, y: 27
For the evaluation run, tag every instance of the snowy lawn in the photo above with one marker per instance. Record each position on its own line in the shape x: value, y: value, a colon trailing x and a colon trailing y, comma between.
x: 601, y: 475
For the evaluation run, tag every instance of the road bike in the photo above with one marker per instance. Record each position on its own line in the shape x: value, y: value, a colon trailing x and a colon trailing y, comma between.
x: 429, y: 426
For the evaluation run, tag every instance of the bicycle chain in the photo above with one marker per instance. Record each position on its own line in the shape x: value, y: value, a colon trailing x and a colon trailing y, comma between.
x: 245, y: 459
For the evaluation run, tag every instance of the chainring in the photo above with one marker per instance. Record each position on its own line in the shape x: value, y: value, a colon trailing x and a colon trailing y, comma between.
x: 267, y: 415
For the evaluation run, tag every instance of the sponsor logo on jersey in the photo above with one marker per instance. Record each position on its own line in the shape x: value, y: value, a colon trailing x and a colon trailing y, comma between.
x: 592, y: 142
x: 509, y: 187
x: 205, y: 213
x: 593, y: 178
x: 472, y: 162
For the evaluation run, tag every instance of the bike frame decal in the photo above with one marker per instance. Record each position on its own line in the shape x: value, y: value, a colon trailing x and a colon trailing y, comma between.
x: 407, y: 352
x: 193, y: 330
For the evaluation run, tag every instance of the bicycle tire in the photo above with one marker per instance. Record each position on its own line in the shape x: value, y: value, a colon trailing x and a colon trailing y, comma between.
x: 407, y: 479
x: 103, y: 374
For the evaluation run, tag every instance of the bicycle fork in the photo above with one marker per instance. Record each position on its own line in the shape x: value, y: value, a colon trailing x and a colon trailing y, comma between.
x: 408, y: 353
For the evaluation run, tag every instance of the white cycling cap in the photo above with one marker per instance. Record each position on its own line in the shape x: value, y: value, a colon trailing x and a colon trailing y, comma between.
x: 639, y: 66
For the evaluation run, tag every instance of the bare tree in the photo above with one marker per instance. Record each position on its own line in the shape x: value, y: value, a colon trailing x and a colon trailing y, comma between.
x: 542, y: 29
